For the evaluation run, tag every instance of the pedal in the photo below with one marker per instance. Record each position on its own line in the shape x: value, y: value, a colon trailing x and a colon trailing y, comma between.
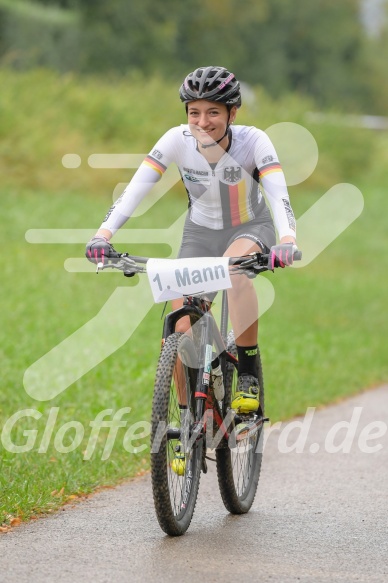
x: 248, y: 428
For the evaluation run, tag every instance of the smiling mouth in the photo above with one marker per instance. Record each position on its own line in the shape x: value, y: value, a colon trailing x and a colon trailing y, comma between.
x: 205, y: 132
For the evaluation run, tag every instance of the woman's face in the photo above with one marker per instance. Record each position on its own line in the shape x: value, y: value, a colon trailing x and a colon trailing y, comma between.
x: 208, y: 120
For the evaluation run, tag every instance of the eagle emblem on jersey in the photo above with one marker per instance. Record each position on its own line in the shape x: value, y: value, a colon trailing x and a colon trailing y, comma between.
x: 232, y: 173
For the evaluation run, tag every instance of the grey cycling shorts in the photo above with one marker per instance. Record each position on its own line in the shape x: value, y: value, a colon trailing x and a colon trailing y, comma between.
x: 200, y: 241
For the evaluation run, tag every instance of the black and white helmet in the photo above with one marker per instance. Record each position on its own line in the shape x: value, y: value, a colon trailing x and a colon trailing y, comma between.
x: 213, y: 84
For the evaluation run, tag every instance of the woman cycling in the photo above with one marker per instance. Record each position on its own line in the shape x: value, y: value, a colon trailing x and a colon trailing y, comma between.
x: 222, y: 166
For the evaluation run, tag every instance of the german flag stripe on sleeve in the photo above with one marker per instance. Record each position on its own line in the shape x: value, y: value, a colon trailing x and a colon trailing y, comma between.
x: 270, y: 169
x: 154, y: 164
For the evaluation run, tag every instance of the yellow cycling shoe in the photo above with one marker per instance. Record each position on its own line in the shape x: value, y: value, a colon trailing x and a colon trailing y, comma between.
x: 178, y: 464
x: 246, y: 399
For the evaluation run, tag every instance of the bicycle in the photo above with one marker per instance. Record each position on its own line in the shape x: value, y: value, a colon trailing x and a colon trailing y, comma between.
x: 195, y: 382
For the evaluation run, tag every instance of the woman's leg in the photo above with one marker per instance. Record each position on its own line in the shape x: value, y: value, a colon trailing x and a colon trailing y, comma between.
x: 242, y: 298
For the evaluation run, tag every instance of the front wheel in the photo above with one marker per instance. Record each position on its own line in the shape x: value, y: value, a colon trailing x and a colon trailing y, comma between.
x: 175, y: 460
x: 238, y: 464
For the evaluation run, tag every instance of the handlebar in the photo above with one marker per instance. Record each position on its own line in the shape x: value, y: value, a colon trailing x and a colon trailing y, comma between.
x: 256, y: 263
x: 250, y: 265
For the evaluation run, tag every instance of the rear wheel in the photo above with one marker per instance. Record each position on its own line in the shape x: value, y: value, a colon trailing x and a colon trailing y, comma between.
x: 239, y: 464
x: 175, y: 461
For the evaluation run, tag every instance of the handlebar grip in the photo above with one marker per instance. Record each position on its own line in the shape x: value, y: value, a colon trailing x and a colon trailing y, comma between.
x: 297, y: 255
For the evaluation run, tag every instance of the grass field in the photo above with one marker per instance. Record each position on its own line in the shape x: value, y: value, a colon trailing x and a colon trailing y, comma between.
x: 323, y: 338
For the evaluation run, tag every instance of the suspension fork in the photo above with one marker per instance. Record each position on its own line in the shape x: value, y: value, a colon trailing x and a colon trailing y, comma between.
x: 204, y: 370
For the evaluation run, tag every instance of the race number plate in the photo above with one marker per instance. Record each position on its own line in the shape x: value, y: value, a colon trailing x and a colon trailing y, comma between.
x: 175, y: 278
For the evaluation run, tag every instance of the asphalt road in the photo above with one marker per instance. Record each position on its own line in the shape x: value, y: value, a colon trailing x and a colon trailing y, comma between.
x: 319, y: 516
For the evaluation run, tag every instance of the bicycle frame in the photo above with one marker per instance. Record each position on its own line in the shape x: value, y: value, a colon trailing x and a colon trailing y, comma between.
x: 205, y: 328
x: 188, y: 418
x: 198, y: 310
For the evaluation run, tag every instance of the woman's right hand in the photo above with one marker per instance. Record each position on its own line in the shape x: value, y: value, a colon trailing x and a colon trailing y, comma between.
x: 99, y: 248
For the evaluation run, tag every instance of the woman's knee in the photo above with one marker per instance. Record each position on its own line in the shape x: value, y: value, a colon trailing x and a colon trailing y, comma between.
x: 183, y: 325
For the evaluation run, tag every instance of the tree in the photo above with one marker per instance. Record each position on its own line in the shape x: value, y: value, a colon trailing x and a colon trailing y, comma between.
x: 312, y: 47
x: 318, y: 48
x: 124, y: 35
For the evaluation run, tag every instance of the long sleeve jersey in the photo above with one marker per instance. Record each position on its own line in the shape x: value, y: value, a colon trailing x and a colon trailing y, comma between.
x: 220, y: 195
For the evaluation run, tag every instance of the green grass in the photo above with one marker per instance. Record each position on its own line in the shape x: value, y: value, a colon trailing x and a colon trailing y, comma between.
x: 324, y: 337
x: 43, y: 304
x: 44, y: 116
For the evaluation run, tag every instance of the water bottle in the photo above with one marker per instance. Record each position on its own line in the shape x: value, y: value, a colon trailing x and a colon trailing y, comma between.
x: 218, y: 382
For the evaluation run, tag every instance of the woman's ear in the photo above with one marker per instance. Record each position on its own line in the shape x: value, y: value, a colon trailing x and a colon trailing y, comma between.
x: 232, y: 114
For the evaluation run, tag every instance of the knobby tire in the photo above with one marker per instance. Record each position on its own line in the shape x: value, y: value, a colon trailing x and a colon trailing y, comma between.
x: 174, y: 495
x: 239, y: 464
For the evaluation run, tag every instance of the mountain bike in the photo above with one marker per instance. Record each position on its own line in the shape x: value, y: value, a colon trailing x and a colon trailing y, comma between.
x: 195, y: 383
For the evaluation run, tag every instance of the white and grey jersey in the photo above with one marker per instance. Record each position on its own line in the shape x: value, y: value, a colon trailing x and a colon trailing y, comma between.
x: 221, y: 195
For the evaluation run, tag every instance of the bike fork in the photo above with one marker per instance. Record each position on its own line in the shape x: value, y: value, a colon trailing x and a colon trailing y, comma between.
x: 204, y: 372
